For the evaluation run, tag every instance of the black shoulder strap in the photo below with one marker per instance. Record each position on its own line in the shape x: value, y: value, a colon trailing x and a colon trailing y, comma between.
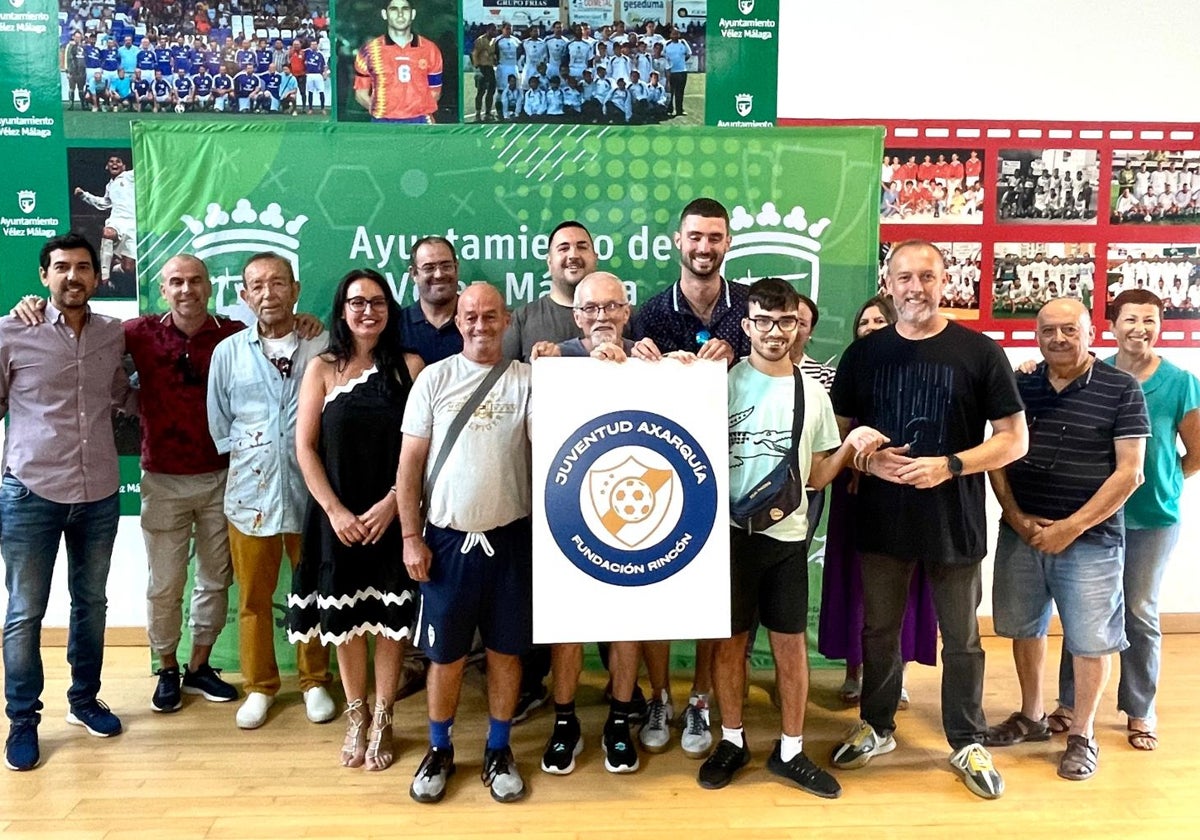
x: 460, y: 421
x: 797, y: 416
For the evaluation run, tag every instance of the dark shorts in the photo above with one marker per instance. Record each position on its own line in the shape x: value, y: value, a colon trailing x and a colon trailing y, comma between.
x: 770, y: 577
x: 472, y: 590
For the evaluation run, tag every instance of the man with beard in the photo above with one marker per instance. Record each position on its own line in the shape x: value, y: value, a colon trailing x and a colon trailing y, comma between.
x: 701, y: 313
x: 428, y: 325
x: 930, y: 386
x: 571, y: 257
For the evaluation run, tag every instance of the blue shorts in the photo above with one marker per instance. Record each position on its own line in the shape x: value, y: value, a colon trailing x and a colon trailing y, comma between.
x: 469, y: 589
x: 1085, y: 581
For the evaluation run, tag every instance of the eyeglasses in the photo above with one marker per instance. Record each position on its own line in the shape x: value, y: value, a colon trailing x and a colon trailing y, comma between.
x: 592, y: 310
x: 361, y: 304
x: 764, y: 324
x: 187, y: 371
x: 446, y: 267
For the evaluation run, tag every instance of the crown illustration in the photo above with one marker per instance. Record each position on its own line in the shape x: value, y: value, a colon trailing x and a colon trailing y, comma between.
x: 18, y: 93
x: 768, y: 232
x: 26, y: 195
x: 244, y: 229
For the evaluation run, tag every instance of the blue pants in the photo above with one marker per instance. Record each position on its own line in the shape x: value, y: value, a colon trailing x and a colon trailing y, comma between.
x: 30, y: 531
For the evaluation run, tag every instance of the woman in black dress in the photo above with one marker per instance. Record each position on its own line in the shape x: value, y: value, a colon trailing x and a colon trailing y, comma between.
x: 351, y: 580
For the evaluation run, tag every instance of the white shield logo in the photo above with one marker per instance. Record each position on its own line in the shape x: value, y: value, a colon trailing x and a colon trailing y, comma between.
x: 745, y: 6
x: 16, y: 4
x: 27, y: 200
x: 21, y: 100
x: 744, y: 103
x: 631, y: 499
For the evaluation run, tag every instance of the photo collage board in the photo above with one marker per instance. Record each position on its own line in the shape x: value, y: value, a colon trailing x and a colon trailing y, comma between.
x: 494, y: 63
x: 1025, y: 212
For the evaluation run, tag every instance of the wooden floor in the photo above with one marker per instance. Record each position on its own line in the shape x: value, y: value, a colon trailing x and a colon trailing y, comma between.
x: 194, y: 774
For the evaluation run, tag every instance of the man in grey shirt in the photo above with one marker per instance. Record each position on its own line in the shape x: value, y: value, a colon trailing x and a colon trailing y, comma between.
x: 571, y: 257
x: 59, y: 383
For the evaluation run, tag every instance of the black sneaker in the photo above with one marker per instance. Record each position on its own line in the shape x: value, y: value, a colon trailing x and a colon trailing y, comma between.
x: 811, y: 778
x: 564, y: 745
x: 501, y: 776
x: 166, y: 694
x: 429, y: 782
x: 719, y: 768
x: 96, y: 718
x: 620, y: 752
x: 206, y: 680
x: 21, y: 748
x: 528, y: 702
x: 637, y: 706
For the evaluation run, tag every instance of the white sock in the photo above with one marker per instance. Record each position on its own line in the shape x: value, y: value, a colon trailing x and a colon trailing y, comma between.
x: 790, y: 746
x: 737, y: 737
x: 106, y: 258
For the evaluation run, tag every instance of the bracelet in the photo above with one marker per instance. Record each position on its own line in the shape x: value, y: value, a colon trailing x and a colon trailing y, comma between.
x: 393, y: 490
x: 867, y: 463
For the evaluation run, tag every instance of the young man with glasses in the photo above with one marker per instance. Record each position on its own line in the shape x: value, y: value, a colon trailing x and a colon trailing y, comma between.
x: 769, y: 568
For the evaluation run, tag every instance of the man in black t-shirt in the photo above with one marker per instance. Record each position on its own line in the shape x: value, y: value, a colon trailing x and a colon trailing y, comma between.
x: 931, y: 386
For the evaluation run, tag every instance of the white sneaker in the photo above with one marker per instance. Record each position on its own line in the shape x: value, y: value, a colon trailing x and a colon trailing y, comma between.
x: 253, y: 712
x: 318, y: 705
x: 697, y: 734
x: 655, y: 734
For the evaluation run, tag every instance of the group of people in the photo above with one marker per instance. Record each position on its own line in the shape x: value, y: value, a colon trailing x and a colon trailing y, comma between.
x: 1173, y: 279
x: 1158, y: 189
x: 1024, y: 285
x: 1039, y: 191
x: 612, y: 75
x: 913, y: 191
x: 195, y: 73
x: 366, y: 453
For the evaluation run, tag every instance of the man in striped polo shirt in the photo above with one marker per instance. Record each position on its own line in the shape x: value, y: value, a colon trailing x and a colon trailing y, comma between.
x: 1062, y: 534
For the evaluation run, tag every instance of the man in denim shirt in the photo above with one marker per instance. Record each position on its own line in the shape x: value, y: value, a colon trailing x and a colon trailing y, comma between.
x: 253, y: 387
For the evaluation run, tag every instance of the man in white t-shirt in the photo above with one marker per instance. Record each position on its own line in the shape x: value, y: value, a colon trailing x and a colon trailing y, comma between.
x: 769, y: 568
x: 467, y: 536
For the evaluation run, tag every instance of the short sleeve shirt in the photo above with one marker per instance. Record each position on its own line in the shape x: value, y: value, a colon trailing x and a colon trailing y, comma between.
x: 936, y: 395
x: 668, y: 320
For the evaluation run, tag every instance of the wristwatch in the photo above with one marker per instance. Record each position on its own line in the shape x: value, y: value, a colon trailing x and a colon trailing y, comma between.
x: 954, y: 464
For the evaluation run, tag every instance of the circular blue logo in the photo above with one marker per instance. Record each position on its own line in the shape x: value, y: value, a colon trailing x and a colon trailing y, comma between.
x: 631, y: 498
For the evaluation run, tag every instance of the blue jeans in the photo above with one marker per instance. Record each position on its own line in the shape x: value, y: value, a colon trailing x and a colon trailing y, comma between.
x: 1146, y: 554
x: 30, y: 531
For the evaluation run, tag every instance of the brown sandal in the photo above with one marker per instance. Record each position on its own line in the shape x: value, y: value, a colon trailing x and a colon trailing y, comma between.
x: 1080, y: 760
x: 355, y: 745
x: 1060, y: 720
x: 1143, y: 739
x: 1016, y: 730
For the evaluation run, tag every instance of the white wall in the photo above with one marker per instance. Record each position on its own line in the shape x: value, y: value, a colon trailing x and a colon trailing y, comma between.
x: 1068, y: 60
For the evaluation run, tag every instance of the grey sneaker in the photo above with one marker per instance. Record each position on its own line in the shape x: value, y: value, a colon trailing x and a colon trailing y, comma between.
x: 697, y: 735
x: 861, y: 745
x: 974, y: 763
x: 501, y: 776
x: 429, y: 783
x: 655, y: 733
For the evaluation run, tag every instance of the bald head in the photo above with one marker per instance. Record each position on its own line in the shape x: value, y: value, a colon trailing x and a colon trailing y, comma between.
x: 186, y: 289
x: 1064, y: 334
x: 481, y: 318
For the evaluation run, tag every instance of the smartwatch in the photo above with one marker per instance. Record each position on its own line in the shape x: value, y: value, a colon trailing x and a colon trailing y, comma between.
x: 954, y: 464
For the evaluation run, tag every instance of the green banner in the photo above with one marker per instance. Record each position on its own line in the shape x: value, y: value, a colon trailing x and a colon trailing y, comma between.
x: 34, y: 199
x: 743, y: 41
x: 801, y: 201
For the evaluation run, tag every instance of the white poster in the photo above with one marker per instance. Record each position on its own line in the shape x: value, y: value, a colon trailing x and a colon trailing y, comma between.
x: 637, y: 12
x: 630, y: 500
x: 595, y: 13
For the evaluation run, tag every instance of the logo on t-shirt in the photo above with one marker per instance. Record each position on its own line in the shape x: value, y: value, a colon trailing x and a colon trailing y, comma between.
x: 630, y: 498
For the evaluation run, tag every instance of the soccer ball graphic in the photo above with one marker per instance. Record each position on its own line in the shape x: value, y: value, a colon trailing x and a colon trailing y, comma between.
x: 632, y: 500
x: 179, y: 108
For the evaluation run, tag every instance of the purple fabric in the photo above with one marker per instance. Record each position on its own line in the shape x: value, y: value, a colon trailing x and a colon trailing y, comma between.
x: 839, y: 632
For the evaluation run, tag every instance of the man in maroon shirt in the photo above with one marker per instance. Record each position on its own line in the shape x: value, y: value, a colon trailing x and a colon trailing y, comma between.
x: 183, y: 480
